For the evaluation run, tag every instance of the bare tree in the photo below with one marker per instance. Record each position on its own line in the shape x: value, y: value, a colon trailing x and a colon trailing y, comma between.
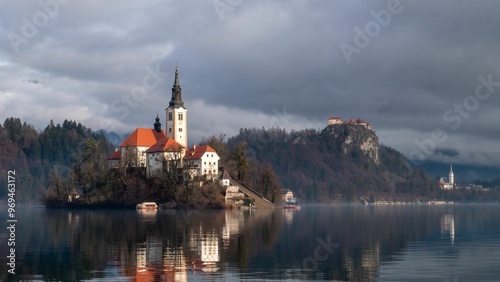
x: 241, y: 160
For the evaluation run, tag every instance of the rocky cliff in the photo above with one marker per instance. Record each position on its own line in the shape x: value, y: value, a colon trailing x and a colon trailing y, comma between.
x: 341, y: 163
x: 354, y: 138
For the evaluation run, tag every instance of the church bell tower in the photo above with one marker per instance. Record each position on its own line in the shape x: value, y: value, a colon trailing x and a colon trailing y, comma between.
x: 176, y: 114
x: 451, y: 176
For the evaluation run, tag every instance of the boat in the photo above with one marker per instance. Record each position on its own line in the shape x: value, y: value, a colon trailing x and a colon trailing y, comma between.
x: 147, y: 206
x: 291, y: 203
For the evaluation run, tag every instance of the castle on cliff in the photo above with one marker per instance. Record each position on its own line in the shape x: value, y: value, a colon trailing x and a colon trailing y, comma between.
x: 336, y: 120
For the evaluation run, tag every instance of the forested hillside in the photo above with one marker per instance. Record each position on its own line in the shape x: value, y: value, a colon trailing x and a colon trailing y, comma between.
x: 41, y: 157
x: 341, y: 163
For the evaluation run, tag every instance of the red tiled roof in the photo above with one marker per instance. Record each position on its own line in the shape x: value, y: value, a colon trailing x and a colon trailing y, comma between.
x: 165, y: 144
x: 117, y: 155
x: 198, y: 152
x: 146, y: 137
x: 336, y: 118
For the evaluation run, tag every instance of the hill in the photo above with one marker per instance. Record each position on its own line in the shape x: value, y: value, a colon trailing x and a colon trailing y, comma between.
x: 341, y: 163
x: 41, y: 157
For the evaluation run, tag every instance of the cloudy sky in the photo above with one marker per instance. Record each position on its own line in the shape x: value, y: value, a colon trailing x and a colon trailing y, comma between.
x: 424, y: 73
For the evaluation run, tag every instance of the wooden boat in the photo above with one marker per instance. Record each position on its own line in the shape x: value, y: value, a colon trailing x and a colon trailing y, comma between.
x: 147, y: 206
x: 291, y: 204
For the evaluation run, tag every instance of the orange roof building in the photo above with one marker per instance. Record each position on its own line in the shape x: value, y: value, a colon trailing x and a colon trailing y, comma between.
x: 166, y: 144
x: 143, y: 137
x: 164, y: 150
x: 132, y: 151
x: 201, y: 161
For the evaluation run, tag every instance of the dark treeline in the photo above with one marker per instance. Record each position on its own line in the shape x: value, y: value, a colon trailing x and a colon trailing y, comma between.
x: 40, y: 157
x: 67, y: 159
x: 234, y: 157
x: 342, y: 163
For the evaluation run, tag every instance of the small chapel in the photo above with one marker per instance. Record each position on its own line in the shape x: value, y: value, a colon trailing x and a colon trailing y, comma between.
x: 155, y: 150
x: 451, y: 180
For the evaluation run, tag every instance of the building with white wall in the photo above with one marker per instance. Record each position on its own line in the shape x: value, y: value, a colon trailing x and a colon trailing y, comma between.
x: 451, y: 180
x: 336, y: 120
x: 132, y: 151
x: 152, y: 149
x: 164, y: 155
x: 201, y: 161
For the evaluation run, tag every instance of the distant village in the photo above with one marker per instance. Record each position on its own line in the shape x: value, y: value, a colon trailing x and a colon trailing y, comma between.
x: 450, y: 184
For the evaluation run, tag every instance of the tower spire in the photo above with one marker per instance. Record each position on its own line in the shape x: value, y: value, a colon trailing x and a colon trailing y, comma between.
x: 176, y: 100
x: 157, y: 124
x: 176, y: 81
x: 176, y: 114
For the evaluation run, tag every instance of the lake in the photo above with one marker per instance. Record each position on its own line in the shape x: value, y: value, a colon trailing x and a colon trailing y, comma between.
x: 345, y: 243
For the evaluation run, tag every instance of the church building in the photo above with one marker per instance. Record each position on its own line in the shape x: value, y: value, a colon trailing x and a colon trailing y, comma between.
x: 152, y: 149
x: 132, y: 151
x: 451, y: 180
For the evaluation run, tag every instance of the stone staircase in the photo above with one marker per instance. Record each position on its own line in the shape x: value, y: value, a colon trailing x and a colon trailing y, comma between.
x: 260, y: 201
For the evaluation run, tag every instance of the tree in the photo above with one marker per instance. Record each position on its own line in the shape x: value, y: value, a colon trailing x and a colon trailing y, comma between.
x: 241, y: 160
x: 218, y: 143
x: 13, y: 126
x: 91, y: 171
x: 269, y: 184
x: 172, y: 171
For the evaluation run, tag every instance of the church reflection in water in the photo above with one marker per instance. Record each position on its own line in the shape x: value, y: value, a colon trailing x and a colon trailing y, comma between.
x: 348, y: 243
x: 448, y: 227
x: 173, y: 256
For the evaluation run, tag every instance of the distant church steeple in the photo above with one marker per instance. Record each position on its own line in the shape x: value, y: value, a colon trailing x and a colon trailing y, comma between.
x: 157, y: 125
x: 176, y: 114
x: 451, y: 177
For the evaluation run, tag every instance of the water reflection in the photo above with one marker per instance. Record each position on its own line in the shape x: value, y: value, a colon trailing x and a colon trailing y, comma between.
x: 289, y: 213
x: 348, y: 243
x: 448, y: 227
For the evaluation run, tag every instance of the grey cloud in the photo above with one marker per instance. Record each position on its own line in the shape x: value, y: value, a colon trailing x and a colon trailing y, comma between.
x: 261, y: 57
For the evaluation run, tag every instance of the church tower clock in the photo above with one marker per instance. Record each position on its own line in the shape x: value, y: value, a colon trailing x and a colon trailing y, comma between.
x: 176, y: 125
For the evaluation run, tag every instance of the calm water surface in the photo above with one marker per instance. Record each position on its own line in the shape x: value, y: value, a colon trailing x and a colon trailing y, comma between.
x: 346, y: 243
